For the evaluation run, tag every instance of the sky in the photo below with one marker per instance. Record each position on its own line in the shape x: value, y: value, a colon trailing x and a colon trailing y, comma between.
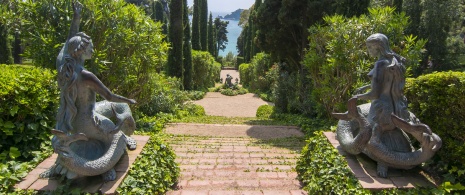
x: 226, y: 6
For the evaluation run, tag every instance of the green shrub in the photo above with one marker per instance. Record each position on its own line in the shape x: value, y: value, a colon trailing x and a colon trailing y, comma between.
x: 167, y: 96
x: 324, y: 171
x: 206, y: 70
x: 245, y: 73
x: 196, y: 95
x: 29, y: 102
x: 129, y: 47
x: 264, y: 111
x: 256, y: 75
x: 337, y: 60
x: 154, y: 173
x: 229, y: 92
x: 438, y: 100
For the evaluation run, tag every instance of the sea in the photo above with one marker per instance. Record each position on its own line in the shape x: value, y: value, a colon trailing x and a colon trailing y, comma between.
x: 234, y: 30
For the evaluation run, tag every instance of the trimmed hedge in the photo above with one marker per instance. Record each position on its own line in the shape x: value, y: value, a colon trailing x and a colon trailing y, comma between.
x: 29, y: 101
x: 438, y: 100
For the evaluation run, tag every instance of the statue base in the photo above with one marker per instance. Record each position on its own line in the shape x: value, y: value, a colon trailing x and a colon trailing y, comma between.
x: 93, y: 184
x: 364, y: 169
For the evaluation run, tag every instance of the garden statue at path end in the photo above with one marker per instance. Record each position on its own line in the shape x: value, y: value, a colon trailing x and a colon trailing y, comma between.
x: 378, y: 129
x: 228, y: 81
x: 87, y: 141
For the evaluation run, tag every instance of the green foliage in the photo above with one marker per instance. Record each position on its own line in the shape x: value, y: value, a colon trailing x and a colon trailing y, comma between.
x: 29, y: 97
x: 187, y: 51
x: 230, y: 60
x: 221, y: 34
x: 265, y: 111
x: 12, y: 171
x: 196, y: 26
x: 324, y: 171
x: 155, y: 173
x: 245, y: 73
x: 337, y: 59
x: 6, y: 56
x: 167, y: 96
x: 438, y: 99
x: 231, y: 91
x: 260, y: 74
x: 203, y: 24
x: 127, y: 43
x: 196, y: 95
x: 206, y: 70
x: 175, y: 56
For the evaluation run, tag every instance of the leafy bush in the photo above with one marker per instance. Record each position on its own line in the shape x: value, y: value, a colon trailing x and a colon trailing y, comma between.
x: 12, y: 171
x: 337, y: 59
x: 206, y: 70
x: 231, y: 91
x: 438, y: 100
x: 167, y: 96
x: 196, y: 95
x: 324, y: 171
x: 129, y: 46
x: 264, y: 111
x: 29, y: 97
x: 255, y: 75
x: 245, y: 73
x: 155, y: 173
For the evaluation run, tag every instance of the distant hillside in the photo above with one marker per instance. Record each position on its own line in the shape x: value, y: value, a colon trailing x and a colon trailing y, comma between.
x: 235, y: 15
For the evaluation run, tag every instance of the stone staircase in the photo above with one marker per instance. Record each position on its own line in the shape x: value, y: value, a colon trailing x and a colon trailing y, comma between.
x: 236, y: 165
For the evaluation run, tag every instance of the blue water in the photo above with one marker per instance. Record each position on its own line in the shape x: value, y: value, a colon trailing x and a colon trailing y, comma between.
x: 233, y: 33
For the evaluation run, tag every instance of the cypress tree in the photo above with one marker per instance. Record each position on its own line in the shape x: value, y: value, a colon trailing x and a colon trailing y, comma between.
x: 158, y: 15
x: 188, y: 80
x: 196, y: 25
x: 6, y: 56
x: 254, y: 48
x: 175, y: 57
x: 211, y: 36
x: 204, y: 25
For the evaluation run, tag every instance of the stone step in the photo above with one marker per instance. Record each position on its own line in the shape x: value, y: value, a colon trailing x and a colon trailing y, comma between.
x: 239, y: 184
x: 236, y: 165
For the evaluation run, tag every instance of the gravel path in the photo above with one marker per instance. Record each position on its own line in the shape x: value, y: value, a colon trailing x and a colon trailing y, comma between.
x: 217, y: 104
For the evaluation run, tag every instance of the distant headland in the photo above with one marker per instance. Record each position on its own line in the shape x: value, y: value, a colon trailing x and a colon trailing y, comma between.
x: 235, y: 15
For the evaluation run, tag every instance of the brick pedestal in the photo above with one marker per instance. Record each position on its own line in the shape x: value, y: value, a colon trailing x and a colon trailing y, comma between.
x: 364, y: 170
x: 93, y: 184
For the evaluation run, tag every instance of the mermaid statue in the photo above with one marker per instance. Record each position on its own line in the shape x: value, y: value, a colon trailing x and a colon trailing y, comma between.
x: 378, y: 129
x: 90, y: 137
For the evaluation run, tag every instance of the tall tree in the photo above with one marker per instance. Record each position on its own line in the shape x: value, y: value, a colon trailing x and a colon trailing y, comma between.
x: 6, y: 56
x: 221, y: 35
x: 5, y: 46
x: 187, y: 50
x: 211, y: 36
x: 158, y: 15
x: 204, y: 25
x: 435, y: 27
x: 175, y: 57
x: 196, y: 25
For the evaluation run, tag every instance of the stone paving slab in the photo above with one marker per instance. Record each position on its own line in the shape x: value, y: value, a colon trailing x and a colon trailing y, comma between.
x: 364, y: 170
x: 88, y: 184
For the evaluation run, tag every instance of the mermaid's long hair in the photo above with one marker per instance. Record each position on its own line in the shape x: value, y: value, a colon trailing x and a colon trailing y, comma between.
x: 397, y: 69
x: 67, y: 75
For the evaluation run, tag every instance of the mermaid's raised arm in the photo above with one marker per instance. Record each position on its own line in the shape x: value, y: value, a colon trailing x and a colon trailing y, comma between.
x: 74, y: 28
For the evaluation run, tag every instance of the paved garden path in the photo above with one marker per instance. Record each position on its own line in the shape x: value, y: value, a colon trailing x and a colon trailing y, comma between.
x: 235, y: 159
